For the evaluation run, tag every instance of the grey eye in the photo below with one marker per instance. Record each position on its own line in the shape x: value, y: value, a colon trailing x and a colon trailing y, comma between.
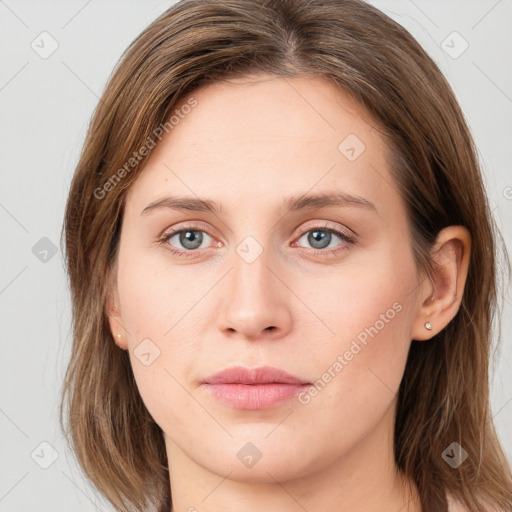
x: 189, y: 239
x: 321, y: 238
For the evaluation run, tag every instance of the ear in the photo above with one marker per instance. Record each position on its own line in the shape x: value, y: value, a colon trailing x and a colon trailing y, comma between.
x: 113, y: 313
x: 440, y: 298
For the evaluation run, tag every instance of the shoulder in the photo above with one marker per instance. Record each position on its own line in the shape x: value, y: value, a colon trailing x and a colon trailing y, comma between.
x: 455, y: 505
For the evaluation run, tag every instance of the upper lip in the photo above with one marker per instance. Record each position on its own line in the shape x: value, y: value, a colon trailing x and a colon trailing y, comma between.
x: 261, y: 375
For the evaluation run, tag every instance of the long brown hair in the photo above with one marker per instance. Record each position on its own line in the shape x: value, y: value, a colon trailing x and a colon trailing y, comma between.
x: 444, y: 394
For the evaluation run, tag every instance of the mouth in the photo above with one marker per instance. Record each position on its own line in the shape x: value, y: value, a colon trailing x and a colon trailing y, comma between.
x: 257, y: 388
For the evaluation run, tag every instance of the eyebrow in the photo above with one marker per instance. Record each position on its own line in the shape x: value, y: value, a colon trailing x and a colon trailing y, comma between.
x: 294, y: 203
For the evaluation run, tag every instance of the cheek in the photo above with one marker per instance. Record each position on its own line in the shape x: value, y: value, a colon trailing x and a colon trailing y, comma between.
x: 154, y: 301
x: 160, y: 313
x: 369, y: 312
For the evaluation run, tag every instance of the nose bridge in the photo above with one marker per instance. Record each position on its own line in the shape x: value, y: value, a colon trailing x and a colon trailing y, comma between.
x: 254, y: 303
x: 251, y: 274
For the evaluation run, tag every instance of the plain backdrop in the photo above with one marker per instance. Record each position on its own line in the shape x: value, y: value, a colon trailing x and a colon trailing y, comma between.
x: 55, y: 58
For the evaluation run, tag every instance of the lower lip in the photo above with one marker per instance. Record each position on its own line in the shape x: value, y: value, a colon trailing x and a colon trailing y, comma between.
x: 254, y: 396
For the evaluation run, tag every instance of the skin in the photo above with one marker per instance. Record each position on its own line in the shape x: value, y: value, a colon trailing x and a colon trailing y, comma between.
x: 249, y: 144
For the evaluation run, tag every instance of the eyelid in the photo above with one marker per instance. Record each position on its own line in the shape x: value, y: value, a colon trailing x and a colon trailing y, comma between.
x: 342, y: 230
x: 194, y: 225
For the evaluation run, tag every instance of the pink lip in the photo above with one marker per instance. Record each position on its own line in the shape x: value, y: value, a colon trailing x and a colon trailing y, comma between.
x: 257, y: 388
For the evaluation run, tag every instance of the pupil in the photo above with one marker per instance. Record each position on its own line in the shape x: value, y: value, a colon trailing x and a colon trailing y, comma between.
x: 191, y: 239
x: 321, y: 237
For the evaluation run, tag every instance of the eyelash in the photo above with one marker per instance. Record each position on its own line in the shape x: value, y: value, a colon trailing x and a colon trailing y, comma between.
x: 194, y: 227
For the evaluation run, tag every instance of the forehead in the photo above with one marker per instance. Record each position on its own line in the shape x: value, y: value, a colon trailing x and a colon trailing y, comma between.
x: 263, y: 136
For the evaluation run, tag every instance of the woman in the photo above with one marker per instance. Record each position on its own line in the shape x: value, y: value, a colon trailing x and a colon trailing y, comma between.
x: 283, y: 271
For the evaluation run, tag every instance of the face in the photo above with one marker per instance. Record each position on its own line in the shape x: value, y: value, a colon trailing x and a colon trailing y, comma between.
x: 298, y: 266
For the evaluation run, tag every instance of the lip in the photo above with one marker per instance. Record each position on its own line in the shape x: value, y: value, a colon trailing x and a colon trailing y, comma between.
x: 253, y: 388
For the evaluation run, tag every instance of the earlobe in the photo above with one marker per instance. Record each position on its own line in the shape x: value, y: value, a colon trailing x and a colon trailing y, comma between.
x: 115, y: 319
x: 121, y: 341
x: 440, y: 301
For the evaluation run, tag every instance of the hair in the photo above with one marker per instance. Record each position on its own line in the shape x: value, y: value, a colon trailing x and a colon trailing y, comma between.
x: 444, y: 393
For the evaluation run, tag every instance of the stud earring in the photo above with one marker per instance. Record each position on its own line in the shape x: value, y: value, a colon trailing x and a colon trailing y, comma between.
x: 428, y: 326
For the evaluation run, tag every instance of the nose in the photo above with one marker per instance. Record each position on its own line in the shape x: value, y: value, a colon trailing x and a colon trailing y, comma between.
x: 255, y: 302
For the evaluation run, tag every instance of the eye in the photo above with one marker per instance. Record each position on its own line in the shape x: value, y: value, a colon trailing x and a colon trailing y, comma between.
x: 190, y: 238
x: 322, y: 238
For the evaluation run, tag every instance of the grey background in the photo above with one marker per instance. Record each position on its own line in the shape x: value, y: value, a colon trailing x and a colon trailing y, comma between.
x: 45, y: 106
